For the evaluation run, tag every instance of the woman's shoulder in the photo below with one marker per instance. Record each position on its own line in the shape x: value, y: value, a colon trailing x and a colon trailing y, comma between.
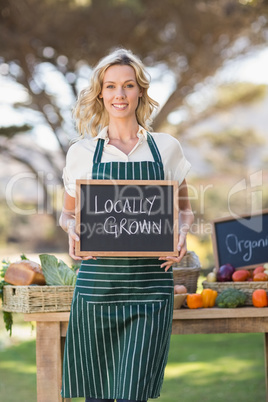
x: 83, y: 144
x: 161, y: 135
x: 166, y: 140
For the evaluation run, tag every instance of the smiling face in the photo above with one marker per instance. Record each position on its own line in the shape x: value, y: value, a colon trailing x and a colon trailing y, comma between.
x: 120, y: 92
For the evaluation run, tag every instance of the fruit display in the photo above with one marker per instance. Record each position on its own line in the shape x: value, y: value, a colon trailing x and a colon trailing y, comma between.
x: 253, y: 282
x: 227, y: 273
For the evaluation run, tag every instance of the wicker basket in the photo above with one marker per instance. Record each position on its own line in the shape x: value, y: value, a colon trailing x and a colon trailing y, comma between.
x: 32, y: 299
x: 187, y: 272
x: 246, y: 287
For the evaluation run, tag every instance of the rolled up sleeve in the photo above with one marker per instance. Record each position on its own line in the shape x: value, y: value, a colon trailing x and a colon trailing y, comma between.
x: 69, y: 182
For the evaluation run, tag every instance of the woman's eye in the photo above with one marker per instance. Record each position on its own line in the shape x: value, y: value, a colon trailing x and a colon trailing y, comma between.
x: 110, y: 86
x: 130, y: 85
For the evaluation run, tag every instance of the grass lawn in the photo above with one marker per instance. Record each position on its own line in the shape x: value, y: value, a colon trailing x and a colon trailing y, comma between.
x: 224, y: 367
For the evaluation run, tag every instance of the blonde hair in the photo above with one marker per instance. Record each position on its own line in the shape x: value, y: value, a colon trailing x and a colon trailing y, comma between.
x: 90, y: 113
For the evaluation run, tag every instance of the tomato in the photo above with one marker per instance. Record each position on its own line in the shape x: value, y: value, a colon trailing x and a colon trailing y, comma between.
x: 258, y: 270
x: 259, y: 298
x: 241, y: 275
x: 261, y: 276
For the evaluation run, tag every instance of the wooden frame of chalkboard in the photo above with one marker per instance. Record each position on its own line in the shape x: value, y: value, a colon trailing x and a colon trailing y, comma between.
x: 127, y: 218
x: 242, y: 241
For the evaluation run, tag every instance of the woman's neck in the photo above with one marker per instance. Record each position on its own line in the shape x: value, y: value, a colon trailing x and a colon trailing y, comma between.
x: 122, y: 130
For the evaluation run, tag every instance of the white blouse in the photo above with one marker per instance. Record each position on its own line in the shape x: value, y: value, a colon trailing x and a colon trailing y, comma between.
x: 79, y: 159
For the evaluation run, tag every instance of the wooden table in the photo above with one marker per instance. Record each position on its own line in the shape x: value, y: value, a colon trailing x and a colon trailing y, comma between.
x: 51, y: 332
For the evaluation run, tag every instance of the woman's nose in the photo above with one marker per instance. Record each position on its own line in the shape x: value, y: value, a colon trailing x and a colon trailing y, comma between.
x: 120, y: 93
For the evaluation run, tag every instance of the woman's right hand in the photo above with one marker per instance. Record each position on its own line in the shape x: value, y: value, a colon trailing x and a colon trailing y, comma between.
x: 73, y: 237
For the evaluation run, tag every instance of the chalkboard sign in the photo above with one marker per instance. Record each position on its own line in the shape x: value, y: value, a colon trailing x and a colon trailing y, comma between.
x: 127, y: 218
x: 241, y: 242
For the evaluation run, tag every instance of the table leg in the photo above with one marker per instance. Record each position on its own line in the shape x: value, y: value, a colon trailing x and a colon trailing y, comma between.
x: 48, y: 361
x: 266, y: 362
x: 62, y: 354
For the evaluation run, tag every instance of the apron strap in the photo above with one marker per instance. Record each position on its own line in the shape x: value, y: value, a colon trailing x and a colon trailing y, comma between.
x: 151, y: 142
x: 153, y: 148
x: 98, y: 151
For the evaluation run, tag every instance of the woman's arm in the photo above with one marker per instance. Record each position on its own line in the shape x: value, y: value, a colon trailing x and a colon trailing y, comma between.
x: 186, y: 218
x: 67, y: 222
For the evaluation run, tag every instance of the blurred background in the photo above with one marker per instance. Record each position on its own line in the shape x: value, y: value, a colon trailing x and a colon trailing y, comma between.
x: 208, y: 62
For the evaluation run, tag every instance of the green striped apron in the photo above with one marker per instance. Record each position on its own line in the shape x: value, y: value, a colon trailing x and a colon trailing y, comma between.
x: 120, y: 323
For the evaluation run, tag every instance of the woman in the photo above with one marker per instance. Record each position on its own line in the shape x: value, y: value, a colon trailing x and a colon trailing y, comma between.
x: 120, y: 324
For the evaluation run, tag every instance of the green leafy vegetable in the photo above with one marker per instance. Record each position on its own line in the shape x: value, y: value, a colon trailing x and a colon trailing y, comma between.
x: 8, y: 320
x: 56, y: 273
x: 231, y: 298
x: 7, y: 316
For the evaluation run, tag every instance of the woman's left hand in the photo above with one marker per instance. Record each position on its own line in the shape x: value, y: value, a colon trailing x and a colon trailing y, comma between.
x: 182, y: 248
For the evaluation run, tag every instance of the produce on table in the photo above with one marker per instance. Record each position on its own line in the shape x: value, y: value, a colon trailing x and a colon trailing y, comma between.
x: 209, y: 297
x: 194, y: 300
x: 211, y: 277
x: 241, y: 275
x: 52, y: 273
x: 259, y: 298
x: 180, y: 289
x: 260, y: 277
x: 24, y: 273
x: 225, y: 273
x: 57, y: 273
x: 265, y: 265
x: 259, y: 269
x: 231, y: 298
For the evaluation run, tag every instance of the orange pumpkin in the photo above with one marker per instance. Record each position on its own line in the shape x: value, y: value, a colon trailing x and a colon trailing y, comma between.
x: 259, y: 298
x: 261, y: 276
x: 194, y: 300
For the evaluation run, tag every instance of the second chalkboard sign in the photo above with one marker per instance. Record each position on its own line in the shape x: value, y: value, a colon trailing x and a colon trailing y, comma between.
x: 127, y: 218
x: 241, y: 242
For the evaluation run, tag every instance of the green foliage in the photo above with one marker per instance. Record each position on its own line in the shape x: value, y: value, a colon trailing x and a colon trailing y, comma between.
x: 56, y: 272
x: 8, y: 320
x: 11, y: 131
x: 7, y: 316
x: 239, y: 92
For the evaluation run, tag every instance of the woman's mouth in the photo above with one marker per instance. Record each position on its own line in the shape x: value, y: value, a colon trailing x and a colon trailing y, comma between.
x: 120, y: 106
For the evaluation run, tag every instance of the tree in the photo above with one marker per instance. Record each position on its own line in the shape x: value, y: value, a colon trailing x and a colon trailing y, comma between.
x: 190, y: 38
